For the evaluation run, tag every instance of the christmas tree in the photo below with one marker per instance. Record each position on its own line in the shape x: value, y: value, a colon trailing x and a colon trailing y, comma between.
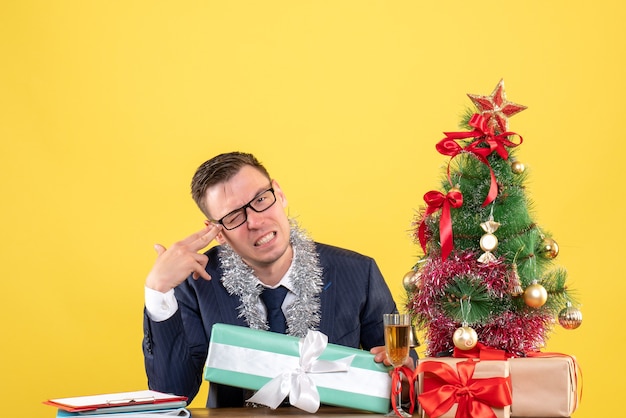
x: 487, y: 273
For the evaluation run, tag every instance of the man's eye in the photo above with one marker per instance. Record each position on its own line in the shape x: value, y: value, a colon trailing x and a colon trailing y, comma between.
x: 235, y: 217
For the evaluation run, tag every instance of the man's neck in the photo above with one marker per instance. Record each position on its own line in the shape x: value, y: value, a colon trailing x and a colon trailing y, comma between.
x: 272, y: 274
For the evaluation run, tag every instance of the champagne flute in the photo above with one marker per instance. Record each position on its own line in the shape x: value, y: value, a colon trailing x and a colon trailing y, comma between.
x: 397, y: 333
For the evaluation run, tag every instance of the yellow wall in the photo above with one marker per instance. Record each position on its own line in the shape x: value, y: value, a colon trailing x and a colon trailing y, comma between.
x: 107, y: 107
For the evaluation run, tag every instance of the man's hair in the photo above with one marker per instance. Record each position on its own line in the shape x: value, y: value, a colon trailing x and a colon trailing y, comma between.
x: 219, y: 169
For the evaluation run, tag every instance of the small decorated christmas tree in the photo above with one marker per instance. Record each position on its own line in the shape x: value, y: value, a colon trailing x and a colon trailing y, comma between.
x: 487, y: 272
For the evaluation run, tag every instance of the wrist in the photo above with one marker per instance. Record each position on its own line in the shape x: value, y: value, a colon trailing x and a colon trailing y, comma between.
x: 159, y: 285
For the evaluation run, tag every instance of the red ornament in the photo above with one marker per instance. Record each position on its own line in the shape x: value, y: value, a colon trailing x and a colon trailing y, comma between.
x: 436, y: 200
x: 496, y: 108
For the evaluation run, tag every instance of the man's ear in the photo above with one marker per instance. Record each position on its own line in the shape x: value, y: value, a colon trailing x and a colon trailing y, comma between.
x: 279, y: 193
x: 220, y: 236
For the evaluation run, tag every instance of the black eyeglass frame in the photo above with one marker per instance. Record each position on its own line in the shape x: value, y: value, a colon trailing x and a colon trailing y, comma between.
x: 243, y: 210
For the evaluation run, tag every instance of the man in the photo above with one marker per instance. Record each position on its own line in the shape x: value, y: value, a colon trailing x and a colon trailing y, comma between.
x: 333, y: 290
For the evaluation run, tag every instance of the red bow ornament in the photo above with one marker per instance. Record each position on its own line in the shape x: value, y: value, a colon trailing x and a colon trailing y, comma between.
x: 484, y: 136
x: 435, y: 200
x: 396, y: 388
x: 475, y: 398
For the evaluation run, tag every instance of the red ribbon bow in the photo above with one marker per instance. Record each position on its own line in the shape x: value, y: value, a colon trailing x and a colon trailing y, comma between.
x: 484, y: 135
x: 396, y: 387
x: 474, y: 397
x: 436, y: 200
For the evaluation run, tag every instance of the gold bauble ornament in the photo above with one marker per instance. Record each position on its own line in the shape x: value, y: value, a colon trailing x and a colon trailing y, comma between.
x: 411, y: 280
x: 455, y: 189
x: 570, y: 317
x: 517, y: 167
x: 549, y: 248
x: 465, y: 338
x: 535, y: 295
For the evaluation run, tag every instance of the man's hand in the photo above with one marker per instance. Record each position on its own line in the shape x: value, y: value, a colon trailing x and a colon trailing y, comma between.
x: 175, y: 264
x: 380, y: 356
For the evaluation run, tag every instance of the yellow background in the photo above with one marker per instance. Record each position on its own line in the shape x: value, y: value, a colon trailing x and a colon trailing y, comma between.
x: 107, y: 108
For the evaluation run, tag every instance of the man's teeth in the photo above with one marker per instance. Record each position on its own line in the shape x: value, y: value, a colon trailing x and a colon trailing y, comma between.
x: 265, y: 239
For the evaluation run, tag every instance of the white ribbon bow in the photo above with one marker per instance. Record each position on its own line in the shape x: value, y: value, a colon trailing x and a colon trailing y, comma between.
x: 297, y: 383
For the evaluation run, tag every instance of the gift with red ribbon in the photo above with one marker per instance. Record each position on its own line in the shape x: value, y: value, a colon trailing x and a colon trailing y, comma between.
x: 543, y: 384
x: 463, y: 388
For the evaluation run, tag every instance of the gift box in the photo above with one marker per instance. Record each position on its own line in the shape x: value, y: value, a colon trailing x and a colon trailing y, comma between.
x: 544, y: 386
x: 481, y: 388
x: 309, y: 370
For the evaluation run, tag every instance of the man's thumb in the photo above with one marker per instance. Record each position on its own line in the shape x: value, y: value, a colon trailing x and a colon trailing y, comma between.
x: 159, y: 249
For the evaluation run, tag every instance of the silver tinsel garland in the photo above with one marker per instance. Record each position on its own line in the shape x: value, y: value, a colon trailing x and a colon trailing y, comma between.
x: 306, y: 278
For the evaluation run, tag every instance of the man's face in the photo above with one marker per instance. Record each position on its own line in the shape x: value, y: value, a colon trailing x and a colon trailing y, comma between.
x: 263, y: 240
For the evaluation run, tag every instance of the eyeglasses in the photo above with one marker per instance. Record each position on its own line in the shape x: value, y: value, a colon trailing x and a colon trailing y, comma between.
x: 262, y: 202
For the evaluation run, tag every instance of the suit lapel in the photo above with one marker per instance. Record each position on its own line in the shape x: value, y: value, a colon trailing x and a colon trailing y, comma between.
x: 327, y: 301
x: 228, y: 306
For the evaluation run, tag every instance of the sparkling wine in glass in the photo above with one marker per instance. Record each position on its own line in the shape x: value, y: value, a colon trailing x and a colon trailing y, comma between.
x: 397, y: 342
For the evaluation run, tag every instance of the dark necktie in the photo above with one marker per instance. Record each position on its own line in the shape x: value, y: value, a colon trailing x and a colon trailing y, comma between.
x: 273, y: 299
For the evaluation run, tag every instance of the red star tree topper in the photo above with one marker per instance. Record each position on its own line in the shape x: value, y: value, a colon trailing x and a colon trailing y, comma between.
x: 496, y: 108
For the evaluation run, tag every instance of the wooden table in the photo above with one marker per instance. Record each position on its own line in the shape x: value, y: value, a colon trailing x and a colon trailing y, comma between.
x: 326, y: 411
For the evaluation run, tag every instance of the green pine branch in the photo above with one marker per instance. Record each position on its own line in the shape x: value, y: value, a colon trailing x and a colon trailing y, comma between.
x: 467, y: 300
